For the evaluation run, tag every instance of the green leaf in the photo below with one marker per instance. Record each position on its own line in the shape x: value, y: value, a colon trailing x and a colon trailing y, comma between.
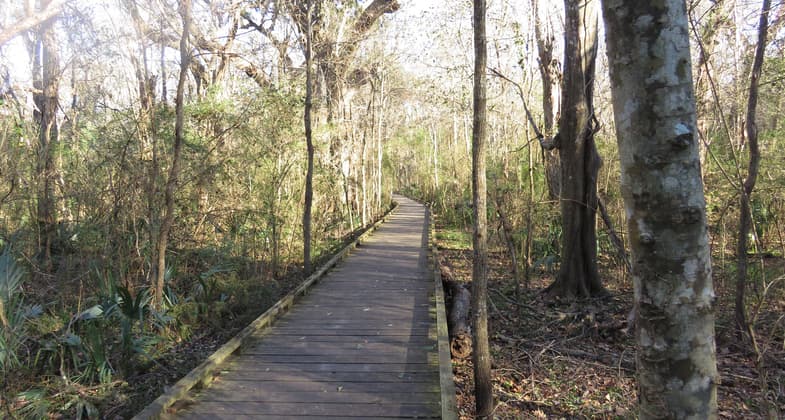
x: 92, y: 313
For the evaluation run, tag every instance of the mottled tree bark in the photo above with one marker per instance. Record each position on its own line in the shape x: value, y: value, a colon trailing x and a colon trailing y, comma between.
x: 179, y: 135
x: 745, y: 217
x: 580, y: 163
x: 483, y: 384
x: 654, y: 110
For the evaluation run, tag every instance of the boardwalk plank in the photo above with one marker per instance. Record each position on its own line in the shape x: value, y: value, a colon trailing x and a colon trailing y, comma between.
x: 315, y: 409
x: 307, y: 353
x: 387, y: 357
x: 277, y: 339
x: 252, y: 364
x: 273, y: 347
x: 213, y: 416
x: 360, y: 344
x: 241, y: 387
x: 312, y: 397
x: 329, y: 376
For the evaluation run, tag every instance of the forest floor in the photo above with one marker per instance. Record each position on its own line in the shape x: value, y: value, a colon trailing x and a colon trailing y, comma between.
x: 556, y: 359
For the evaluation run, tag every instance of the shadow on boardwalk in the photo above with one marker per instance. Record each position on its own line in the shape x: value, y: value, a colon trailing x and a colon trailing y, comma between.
x: 360, y: 344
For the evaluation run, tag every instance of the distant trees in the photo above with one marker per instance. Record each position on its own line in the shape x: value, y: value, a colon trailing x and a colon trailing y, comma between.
x: 149, y: 181
x: 654, y: 110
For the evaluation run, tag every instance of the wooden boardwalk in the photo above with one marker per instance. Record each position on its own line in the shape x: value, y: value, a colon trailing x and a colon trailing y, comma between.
x: 361, y: 344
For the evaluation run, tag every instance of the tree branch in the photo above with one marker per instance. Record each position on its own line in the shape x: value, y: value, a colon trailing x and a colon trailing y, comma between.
x: 31, y: 20
x: 529, y: 116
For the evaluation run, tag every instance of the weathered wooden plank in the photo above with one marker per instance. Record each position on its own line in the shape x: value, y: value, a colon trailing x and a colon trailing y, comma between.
x: 316, y: 347
x: 381, y: 329
x: 337, y: 335
x: 277, y: 339
x: 338, y: 315
x: 370, y: 281
x: 366, y: 296
x: 315, y: 409
x: 349, y: 358
x: 353, y: 377
x: 330, y: 352
x: 213, y: 416
x: 252, y: 363
x: 223, y: 395
x: 261, y: 388
x: 360, y: 318
x: 352, y: 304
x: 362, y: 345
x: 203, y: 372
x: 377, y: 285
x: 358, y: 324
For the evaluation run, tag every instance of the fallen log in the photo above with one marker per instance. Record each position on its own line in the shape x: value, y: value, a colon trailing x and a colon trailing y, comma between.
x: 460, y: 333
x: 458, y: 305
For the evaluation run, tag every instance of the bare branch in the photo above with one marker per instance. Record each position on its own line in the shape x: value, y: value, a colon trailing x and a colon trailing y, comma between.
x: 529, y: 116
x: 31, y: 20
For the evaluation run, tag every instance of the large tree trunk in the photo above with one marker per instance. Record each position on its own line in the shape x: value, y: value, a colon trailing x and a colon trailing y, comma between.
x: 483, y: 384
x: 308, y: 141
x: 745, y: 217
x: 654, y: 110
x: 580, y: 162
x: 179, y: 135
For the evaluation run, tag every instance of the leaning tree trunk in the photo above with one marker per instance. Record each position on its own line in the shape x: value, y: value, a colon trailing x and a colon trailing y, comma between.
x: 654, y: 110
x: 579, y: 160
x: 745, y: 217
x: 481, y: 357
x: 179, y: 135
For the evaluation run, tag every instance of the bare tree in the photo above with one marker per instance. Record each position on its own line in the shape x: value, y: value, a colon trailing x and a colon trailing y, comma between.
x: 483, y: 384
x: 308, y: 139
x: 654, y: 109
x: 579, y: 160
x: 751, y: 127
x: 549, y: 75
x: 179, y: 135
x: 46, y: 82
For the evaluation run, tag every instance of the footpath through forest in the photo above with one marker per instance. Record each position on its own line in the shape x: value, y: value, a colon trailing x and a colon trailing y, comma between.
x: 361, y: 343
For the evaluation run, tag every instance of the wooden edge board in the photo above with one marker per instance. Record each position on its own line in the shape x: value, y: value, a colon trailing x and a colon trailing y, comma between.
x: 446, y: 382
x: 201, y: 375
